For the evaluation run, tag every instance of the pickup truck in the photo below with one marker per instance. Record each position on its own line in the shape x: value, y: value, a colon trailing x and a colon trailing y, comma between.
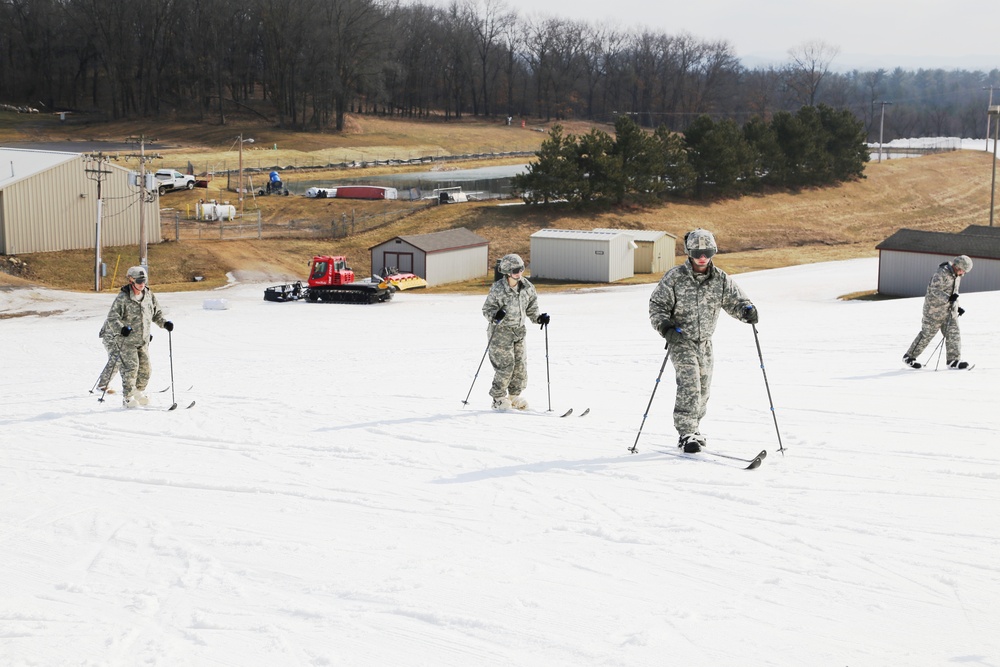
x: 168, y: 179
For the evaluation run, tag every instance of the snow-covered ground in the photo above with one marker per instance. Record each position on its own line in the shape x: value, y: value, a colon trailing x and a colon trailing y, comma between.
x: 329, y: 500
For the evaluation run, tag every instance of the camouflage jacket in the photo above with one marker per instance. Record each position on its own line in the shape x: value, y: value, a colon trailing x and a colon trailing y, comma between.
x: 519, y: 302
x: 943, y: 284
x: 140, y: 315
x: 692, y: 301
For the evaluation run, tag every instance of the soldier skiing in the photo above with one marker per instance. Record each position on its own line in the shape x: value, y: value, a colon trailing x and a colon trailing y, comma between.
x: 127, y: 330
x: 941, y: 313
x: 511, y: 299
x: 684, y: 309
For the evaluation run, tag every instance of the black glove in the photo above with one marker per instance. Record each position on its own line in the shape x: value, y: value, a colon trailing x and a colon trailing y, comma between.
x: 544, y: 320
x: 670, y: 332
x: 961, y: 311
x: 749, y: 314
x: 499, y: 315
x: 953, y: 298
x: 126, y: 330
x: 168, y: 325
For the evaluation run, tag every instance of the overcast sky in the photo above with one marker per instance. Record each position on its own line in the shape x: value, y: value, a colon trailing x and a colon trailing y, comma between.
x: 869, y: 33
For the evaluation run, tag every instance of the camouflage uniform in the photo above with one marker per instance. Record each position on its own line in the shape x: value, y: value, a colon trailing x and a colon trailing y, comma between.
x: 110, y: 368
x: 138, y: 312
x: 507, y: 352
x: 940, y: 314
x: 692, y: 302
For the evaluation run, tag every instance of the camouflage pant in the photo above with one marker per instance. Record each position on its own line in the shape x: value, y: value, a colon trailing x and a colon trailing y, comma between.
x: 135, y: 368
x: 693, y: 370
x: 111, y: 367
x: 929, y: 329
x: 509, y: 359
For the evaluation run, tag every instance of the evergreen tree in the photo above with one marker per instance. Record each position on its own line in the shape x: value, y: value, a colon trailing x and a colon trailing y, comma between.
x: 638, y: 161
x: 670, y: 160
x: 765, y: 152
x: 555, y: 175
x: 720, y: 156
x: 845, y: 143
x: 600, y: 170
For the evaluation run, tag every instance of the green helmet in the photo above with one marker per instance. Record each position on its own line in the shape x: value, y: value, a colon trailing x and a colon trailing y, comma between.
x: 700, y: 241
x: 511, y: 264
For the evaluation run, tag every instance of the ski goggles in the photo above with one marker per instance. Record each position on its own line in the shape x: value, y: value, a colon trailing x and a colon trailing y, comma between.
x: 706, y: 252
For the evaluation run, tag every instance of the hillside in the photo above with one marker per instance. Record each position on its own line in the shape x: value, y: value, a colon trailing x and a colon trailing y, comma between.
x: 943, y: 192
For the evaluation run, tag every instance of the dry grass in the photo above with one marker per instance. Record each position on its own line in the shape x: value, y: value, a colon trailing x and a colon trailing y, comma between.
x: 944, y: 192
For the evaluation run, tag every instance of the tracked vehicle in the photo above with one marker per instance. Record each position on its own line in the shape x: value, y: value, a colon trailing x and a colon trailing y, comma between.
x: 330, y: 281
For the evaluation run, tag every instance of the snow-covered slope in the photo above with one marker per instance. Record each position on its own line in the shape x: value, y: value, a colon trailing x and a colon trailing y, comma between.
x: 329, y: 500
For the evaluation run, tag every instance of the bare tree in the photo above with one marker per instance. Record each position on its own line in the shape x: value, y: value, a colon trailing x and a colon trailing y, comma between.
x: 489, y: 21
x: 810, y: 64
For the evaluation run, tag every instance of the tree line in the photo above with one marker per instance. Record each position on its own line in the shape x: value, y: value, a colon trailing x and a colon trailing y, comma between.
x: 816, y: 146
x: 304, y: 64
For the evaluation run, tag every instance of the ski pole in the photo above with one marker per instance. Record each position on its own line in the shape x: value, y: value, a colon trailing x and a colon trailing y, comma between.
x: 760, y: 356
x: 485, y: 352
x: 633, y: 449
x: 548, y: 380
x: 118, y: 362
x: 170, y: 346
x: 931, y: 355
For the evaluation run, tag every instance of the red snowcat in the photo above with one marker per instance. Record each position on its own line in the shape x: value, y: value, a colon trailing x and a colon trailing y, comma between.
x: 331, y: 281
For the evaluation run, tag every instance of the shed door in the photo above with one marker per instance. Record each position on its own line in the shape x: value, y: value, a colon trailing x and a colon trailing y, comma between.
x: 401, y: 260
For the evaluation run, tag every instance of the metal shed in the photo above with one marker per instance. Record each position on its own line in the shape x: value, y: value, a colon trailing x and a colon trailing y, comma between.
x: 654, y: 251
x: 440, y: 257
x: 48, y: 203
x: 908, y: 258
x: 594, y: 256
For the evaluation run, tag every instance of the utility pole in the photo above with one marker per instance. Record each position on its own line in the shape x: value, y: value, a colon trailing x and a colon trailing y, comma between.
x: 994, y: 111
x: 239, y: 186
x: 144, y: 197
x: 95, y: 171
x: 881, y: 127
x: 988, y: 115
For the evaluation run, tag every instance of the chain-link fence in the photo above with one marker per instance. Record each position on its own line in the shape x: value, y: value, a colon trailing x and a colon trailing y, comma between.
x: 251, y: 225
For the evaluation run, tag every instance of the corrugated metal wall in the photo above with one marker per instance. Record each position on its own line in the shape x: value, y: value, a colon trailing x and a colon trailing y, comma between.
x: 57, y: 210
x: 907, y: 273
x: 453, y: 266
x: 664, y: 254
x: 602, y: 259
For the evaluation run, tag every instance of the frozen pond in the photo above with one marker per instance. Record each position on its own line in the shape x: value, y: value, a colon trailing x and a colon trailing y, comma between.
x: 489, y: 182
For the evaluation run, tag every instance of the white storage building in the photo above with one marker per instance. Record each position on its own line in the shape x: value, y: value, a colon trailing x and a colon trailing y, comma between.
x: 908, y: 258
x: 582, y: 256
x: 654, y: 251
x: 440, y: 257
x: 48, y: 202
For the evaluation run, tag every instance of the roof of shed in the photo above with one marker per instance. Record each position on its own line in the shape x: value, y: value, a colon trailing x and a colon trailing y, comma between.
x: 450, y: 239
x: 981, y: 230
x: 638, y: 234
x: 576, y: 234
x: 19, y: 163
x: 971, y: 243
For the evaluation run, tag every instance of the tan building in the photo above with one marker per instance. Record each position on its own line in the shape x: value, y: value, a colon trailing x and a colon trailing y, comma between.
x: 654, y: 250
x: 48, y: 202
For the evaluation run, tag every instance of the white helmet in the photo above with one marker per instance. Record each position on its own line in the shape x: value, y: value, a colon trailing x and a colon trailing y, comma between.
x: 138, y: 274
x: 963, y: 262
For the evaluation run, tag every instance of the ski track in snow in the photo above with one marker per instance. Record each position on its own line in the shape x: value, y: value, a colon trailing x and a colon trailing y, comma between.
x: 330, y: 501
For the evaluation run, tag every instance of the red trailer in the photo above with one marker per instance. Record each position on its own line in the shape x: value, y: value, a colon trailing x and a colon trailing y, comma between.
x: 365, y: 192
